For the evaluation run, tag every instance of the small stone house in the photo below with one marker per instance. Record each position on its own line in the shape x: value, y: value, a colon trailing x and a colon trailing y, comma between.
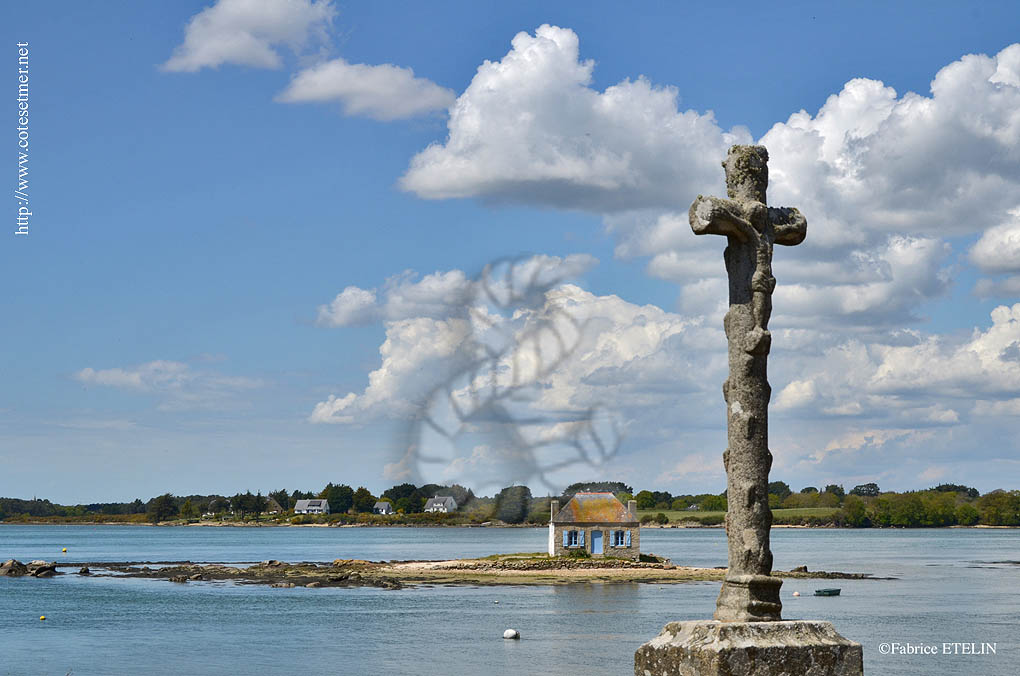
x: 311, y: 507
x: 383, y: 507
x: 273, y: 507
x: 597, y: 523
x: 442, y: 505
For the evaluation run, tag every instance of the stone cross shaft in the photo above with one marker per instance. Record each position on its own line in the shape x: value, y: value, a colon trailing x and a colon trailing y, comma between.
x: 749, y: 592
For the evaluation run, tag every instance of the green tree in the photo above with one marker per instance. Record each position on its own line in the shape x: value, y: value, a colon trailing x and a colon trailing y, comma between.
x: 258, y: 504
x: 779, y: 488
x: 939, y: 508
x: 714, y: 503
x: 809, y: 489
x: 835, y: 490
x: 615, y: 487
x: 855, y: 512
x: 404, y: 490
x: 188, y: 510
x: 242, y: 504
x: 161, y: 508
x: 363, y: 500
x: 906, y: 510
x: 513, y: 504
x: 967, y: 514
x: 340, y: 497
x: 957, y: 488
x: 866, y: 490
x: 282, y: 498
x: 1000, y: 508
x: 645, y: 500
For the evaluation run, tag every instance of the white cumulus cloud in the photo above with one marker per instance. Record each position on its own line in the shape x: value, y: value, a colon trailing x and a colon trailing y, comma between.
x: 248, y: 33
x: 531, y: 129
x: 382, y: 92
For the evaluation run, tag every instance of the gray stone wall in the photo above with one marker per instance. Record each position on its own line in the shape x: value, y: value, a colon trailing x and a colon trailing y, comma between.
x: 608, y: 549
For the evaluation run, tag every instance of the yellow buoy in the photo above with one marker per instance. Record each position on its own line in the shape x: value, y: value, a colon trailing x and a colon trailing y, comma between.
x: 64, y: 550
x: 42, y: 617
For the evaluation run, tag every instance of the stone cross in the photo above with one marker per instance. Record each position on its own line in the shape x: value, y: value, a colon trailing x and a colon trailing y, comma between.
x: 749, y: 592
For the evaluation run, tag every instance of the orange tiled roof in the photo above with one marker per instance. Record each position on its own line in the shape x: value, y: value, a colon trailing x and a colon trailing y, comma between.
x: 594, y: 508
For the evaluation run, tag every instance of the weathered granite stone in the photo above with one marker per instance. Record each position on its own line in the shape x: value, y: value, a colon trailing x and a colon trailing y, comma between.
x: 40, y: 568
x: 751, y: 228
x: 712, y: 648
x: 13, y: 568
x: 748, y: 637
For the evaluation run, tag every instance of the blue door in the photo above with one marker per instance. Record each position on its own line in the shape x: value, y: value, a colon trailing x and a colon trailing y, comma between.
x: 596, y: 542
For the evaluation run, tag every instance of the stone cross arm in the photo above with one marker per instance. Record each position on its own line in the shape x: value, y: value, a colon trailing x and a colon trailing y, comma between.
x: 716, y: 216
x: 789, y: 225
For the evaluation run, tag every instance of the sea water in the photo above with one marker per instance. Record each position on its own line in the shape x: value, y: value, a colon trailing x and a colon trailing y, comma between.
x: 953, y: 586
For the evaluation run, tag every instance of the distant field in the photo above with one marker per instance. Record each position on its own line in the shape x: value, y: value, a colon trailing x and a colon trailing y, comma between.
x: 780, y: 515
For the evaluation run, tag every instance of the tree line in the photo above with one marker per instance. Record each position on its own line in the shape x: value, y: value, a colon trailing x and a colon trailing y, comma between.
x: 864, y: 505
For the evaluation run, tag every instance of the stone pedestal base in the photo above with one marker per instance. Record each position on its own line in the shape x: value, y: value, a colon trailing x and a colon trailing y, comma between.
x: 749, y: 598
x: 786, y: 648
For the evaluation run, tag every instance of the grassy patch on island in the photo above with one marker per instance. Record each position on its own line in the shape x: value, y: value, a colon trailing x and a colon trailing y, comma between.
x: 799, y: 516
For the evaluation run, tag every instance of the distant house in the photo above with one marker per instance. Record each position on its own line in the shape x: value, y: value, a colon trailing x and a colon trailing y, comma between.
x: 597, y: 523
x: 383, y: 507
x: 442, y: 505
x: 272, y: 506
x: 311, y: 507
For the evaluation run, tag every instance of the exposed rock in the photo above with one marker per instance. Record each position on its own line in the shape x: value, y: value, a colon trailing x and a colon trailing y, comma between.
x: 710, y: 648
x: 179, y: 578
x: 40, y: 568
x: 313, y: 585
x: 799, y: 569
x: 84, y: 570
x: 283, y: 585
x: 272, y: 563
x: 13, y: 568
x: 196, y: 577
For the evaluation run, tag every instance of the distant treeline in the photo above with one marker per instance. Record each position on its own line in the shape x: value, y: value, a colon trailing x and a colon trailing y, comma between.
x: 865, y: 505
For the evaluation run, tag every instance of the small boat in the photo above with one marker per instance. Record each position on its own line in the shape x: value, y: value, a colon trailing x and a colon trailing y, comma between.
x: 834, y: 591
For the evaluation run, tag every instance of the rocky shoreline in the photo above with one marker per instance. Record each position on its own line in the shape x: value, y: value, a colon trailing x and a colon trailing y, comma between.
x: 530, y: 569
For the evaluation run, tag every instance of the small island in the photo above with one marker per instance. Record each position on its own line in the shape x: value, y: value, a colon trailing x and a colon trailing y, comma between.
x: 535, y: 568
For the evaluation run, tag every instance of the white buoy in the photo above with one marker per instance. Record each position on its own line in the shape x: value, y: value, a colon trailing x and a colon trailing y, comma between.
x: 496, y: 601
x: 511, y: 633
x: 796, y: 593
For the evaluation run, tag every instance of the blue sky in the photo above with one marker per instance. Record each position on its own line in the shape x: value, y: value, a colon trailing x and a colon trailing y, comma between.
x: 258, y: 243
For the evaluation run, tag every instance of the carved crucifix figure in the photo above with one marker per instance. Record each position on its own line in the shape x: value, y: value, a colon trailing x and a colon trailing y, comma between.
x: 749, y: 592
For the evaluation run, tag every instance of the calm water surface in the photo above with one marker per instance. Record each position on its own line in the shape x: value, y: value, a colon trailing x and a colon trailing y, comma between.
x: 954, y: 585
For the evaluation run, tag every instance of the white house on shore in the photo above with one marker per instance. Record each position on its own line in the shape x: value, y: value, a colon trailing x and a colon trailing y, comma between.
x: 442, y: 505
x: 311, y: 507
x: 383, y: 507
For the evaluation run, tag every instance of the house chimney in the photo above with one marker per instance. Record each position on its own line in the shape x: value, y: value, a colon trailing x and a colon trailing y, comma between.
x: 632, y: 508
x: 554, y: 507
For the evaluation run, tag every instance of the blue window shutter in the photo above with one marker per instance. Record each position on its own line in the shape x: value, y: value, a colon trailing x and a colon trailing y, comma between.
x: 566, y: 535
x: 580, y: 538
x: 627, y: 540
